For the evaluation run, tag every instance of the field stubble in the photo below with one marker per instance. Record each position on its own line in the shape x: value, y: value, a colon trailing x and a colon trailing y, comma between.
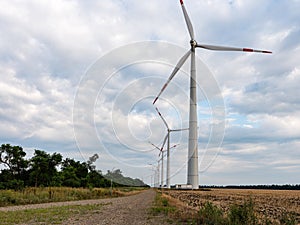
x: 271, y: 204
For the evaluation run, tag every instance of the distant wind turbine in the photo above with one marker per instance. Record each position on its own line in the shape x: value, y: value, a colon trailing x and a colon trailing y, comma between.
x: 161, y: 152
x: 192, y: 173
x: 168, y: 144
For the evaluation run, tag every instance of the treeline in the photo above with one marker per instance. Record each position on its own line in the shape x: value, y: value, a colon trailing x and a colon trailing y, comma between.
x: 264, y: 187
x: 45, y: 170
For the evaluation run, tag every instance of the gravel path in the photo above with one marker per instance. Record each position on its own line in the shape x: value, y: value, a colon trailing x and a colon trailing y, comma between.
x: 133, y: 210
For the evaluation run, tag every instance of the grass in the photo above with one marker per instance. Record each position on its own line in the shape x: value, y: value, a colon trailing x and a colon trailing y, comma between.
x: 161, y: 205
x: 53, y: 215
x: 59, y: 194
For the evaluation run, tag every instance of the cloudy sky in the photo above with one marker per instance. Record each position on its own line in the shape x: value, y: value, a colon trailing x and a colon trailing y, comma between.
x: 79, y: 77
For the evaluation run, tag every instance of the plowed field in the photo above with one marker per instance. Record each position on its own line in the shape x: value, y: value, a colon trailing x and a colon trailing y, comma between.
x: 267, y: 203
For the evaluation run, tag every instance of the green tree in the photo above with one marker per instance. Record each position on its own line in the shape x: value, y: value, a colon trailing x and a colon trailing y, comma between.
x: 43, y: 169
x: 69, y: 178
x: 74, y: 173
x: 13, y: 158
x: 95, y: 179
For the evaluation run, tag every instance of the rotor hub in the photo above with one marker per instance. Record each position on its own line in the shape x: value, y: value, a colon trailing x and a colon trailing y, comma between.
x: 193, y: 43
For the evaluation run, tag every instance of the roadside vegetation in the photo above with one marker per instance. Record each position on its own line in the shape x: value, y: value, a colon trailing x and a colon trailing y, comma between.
x: 211, y: 214
x: 60, y: 194
x: 53, y: 215
x: 162, y: 206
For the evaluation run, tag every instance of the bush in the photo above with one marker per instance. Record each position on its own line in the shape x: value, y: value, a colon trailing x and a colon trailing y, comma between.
x: 210, y: 214
x: 243, y: 214
x: 13, y: 185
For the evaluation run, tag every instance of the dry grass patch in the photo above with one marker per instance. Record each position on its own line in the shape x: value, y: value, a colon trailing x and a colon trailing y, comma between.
x: 60, y: 194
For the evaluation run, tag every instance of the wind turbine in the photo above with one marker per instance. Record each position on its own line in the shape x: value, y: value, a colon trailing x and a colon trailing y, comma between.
x: 168, y: 144
x: 161, y: 151
x: 192, y: 173
x: 156, y: 174
x: 162, y: 162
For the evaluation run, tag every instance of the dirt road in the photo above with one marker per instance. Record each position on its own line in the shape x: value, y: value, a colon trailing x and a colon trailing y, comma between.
x: 126, y: 210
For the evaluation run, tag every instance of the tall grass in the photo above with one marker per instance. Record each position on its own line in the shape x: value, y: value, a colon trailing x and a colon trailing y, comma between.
x: 56, y: 194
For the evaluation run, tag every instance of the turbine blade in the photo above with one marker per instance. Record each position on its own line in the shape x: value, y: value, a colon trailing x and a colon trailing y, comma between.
x: 176, y: 69
x: 179, y: 129
x: 225, y: 48
x: 188, y: 21
x: 162, y: 147
x: 174, y: 146
x: 154, y: 145
x: 163, y: 119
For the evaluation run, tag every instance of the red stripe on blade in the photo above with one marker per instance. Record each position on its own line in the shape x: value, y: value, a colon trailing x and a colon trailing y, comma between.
x: 247, y: 50
x: 164, y: 87
x: 181, y: 2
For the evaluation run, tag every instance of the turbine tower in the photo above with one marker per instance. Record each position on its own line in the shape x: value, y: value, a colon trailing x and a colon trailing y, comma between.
x: 158, y: 171
x: 192, y: 172
x: 168, y: 144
